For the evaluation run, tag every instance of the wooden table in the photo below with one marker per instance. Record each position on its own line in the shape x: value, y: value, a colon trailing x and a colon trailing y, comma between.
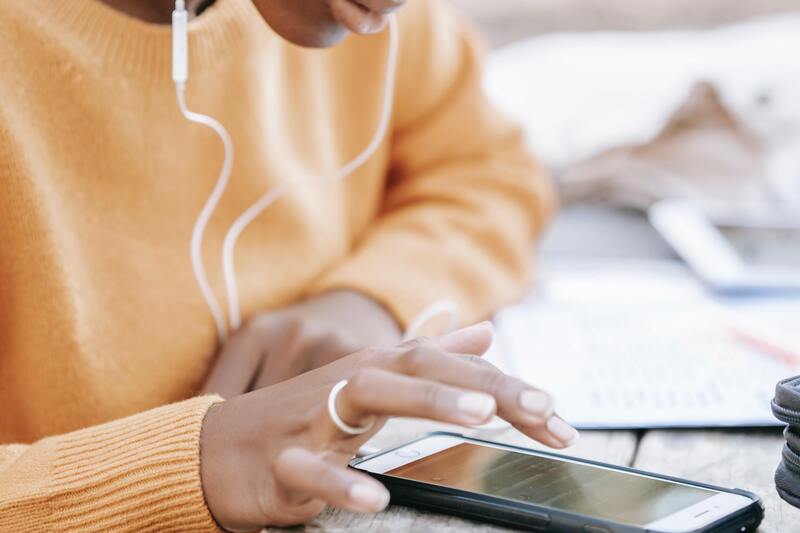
x: 740, y: 459
x: 743, y: 459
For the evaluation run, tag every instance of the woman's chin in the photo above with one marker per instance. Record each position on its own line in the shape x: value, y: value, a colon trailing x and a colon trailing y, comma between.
x: 309, y: 23
x: 330, y: 35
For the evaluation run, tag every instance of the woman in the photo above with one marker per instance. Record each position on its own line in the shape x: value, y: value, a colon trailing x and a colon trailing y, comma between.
x: 106, y: 343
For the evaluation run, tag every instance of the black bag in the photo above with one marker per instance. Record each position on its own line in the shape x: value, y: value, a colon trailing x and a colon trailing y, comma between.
x: 786, y: 407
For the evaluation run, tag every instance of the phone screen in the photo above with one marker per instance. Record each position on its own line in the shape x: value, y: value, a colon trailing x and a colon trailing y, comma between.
x: 573, y: 487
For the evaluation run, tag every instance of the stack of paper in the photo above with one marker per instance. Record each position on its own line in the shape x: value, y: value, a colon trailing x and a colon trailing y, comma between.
x: 640, y: 345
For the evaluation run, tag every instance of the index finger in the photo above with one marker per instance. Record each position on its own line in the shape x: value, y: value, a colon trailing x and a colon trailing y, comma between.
x: 472, y: 340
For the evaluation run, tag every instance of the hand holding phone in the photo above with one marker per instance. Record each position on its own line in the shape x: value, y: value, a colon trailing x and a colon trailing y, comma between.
x: 540, y: 491
x: 276, y: 456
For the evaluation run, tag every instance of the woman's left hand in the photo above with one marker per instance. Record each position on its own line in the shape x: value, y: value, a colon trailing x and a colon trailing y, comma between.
x: 276, y: 346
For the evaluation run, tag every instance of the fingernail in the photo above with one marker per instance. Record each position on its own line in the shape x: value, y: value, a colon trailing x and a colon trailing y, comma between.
x: 562, y: 431
x: 536, y: 403
x: 476, y: 406
x: 368, y: 498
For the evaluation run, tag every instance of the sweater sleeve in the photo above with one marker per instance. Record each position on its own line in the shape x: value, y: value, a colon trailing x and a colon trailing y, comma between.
x: 465, y: 200
x: 141, y: 473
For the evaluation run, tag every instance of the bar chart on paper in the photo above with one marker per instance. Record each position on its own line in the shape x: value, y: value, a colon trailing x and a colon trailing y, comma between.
x: 638, y: 345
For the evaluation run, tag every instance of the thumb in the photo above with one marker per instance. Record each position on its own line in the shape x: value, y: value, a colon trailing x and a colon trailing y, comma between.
x: 474, y: 340
x: 239, y: 360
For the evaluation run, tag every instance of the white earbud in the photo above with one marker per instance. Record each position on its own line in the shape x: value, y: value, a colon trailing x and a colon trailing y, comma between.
x: 180, y: 43
x: 180, y: 75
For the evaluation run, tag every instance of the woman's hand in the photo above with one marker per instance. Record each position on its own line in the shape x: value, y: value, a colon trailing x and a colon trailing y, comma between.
x: 275, y: 346
x: 274, y: 457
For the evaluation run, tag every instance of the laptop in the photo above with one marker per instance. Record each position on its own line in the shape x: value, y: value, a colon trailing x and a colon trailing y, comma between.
x: 713, y: 258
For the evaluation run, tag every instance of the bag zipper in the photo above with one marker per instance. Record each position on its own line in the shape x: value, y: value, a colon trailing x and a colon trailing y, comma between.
x: 790, y: 416
x: 792, y: 459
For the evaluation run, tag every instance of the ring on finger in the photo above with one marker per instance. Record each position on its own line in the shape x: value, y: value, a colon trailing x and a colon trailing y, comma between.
x: 337, y: 420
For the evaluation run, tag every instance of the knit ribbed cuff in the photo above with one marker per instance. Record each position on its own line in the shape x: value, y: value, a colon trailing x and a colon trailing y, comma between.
x: 140, y: 473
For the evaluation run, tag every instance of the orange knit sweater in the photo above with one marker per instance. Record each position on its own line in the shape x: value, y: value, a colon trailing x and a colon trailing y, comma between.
x: 102, y: 179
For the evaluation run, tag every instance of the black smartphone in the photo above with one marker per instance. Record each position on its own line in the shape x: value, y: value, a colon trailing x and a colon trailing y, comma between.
x: 541, y: 491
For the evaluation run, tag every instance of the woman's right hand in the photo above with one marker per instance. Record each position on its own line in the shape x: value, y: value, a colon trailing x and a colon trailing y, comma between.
x: 274, y: 456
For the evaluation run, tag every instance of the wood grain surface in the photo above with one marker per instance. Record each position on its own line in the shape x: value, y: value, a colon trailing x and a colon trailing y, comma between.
x: 736, y: 459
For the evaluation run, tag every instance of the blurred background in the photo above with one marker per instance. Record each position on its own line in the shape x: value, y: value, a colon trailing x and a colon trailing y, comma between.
x: 628, y: 103
x: 671, y: 129
x: 509, y: 20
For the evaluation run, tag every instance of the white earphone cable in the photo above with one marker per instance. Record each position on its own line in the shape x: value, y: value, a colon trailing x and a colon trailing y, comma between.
x: 200, y: 225
x: 180, y: 76
x: 440, y: 308
x: 228, y: 267
x: 180, y: 73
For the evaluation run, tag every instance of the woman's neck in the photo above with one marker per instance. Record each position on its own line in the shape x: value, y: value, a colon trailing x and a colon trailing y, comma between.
x: 154, y: 11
